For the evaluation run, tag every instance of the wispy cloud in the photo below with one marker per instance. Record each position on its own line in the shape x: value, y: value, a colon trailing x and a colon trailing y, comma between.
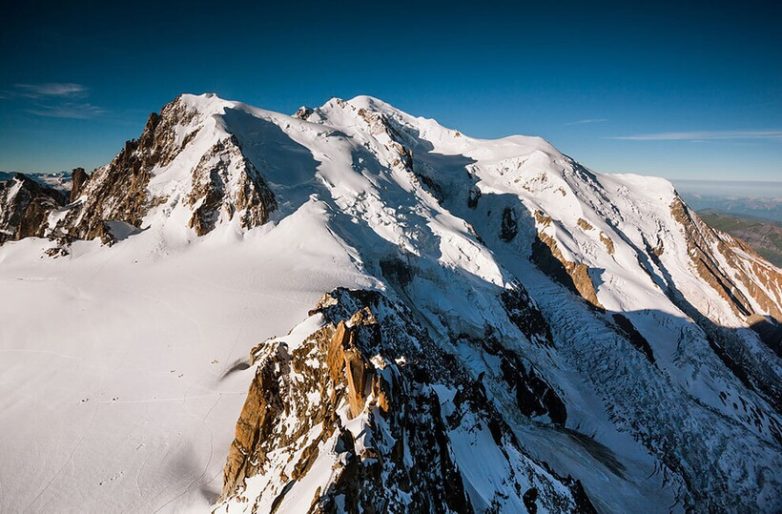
x: 50, y: 89
x: 701, y: 136
x: 586, y: 121
x: 73, y: 110
x: 53, y: 100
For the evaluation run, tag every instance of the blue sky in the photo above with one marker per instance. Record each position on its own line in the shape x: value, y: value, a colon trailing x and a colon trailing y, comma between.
x: 679, y: 91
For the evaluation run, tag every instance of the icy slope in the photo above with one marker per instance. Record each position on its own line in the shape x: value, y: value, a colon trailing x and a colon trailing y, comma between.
x: 573, y: 341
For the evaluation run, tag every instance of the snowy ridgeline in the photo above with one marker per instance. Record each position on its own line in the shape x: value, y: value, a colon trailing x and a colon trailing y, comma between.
x: 60, y: 180
x: 575, y: 341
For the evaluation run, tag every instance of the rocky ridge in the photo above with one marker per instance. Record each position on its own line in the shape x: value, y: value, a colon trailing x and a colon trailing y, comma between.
x: 397, y: 419
x: 26, y: 204
x: 224, y: 184
x: 537, y: 338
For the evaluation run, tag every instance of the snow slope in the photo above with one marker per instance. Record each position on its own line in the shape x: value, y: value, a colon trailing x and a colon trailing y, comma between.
x: 125, y: 367
x: 112, y: 387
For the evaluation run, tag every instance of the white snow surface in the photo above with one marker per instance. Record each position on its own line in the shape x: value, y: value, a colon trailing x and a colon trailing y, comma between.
x: 116, y: 389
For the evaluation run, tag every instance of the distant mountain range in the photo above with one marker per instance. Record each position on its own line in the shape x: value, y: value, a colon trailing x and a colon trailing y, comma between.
x: 60, y: 180
x: 754, y: 199
x: 748, y: 210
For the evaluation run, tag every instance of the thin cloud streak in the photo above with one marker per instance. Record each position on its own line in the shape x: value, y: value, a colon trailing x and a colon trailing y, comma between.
x: 701, y: 136
x: 50, y: 89
x: 586, y: 121
x: 66, y: 100
x: 78, y: 111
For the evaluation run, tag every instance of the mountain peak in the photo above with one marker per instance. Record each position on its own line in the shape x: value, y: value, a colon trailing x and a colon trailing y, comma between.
x: 200, y: 101
x: 372, y: 103
x: 499, y: 329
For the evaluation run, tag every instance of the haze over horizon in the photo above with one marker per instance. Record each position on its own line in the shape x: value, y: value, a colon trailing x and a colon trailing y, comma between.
x: 618, y: 88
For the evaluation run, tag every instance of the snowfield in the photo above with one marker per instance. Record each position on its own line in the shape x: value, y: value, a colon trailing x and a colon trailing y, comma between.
x: 115, y: 389
x: 123, y: 368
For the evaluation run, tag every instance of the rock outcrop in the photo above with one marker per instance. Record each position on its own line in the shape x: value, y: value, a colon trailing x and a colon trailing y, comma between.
x: 225, y: 183
x: 699, y: 238
x: 509, y: 227
x: 78, y: 178
x: 574, y: 275
x: 390, y: 421
x: 526, y: 315
x: 25, y: 205
x: 118, y: 191
x: 754, y: 287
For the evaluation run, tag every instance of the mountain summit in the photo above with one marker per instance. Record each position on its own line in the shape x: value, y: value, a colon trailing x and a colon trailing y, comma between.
x: 472, y: 326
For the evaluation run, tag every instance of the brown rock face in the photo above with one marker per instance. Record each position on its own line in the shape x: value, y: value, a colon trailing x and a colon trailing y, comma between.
x: 78, y: 179
x: 357, y: 371
x: 584, y: 224
x: 761, y: 280
x: 219, y: 191
x: 118, y: 191
x: 25, y: 206
x: 371, y: 360
x: 542, y: 218
x: 347, y: 363
x: 724, y: 263
x: 574, y: 275
x: 272, y: 396
x: 607, y: 242
x: 255, y: 422
x: 224, y: 183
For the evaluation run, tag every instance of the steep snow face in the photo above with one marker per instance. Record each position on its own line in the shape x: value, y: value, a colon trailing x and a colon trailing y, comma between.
x: 574, y: 340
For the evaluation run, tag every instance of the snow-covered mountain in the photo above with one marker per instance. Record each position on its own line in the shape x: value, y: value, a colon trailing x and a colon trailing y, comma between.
x: 354, y: 309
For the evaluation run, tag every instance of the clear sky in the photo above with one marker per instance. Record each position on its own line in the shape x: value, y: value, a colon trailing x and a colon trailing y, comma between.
x: 682, y: 90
